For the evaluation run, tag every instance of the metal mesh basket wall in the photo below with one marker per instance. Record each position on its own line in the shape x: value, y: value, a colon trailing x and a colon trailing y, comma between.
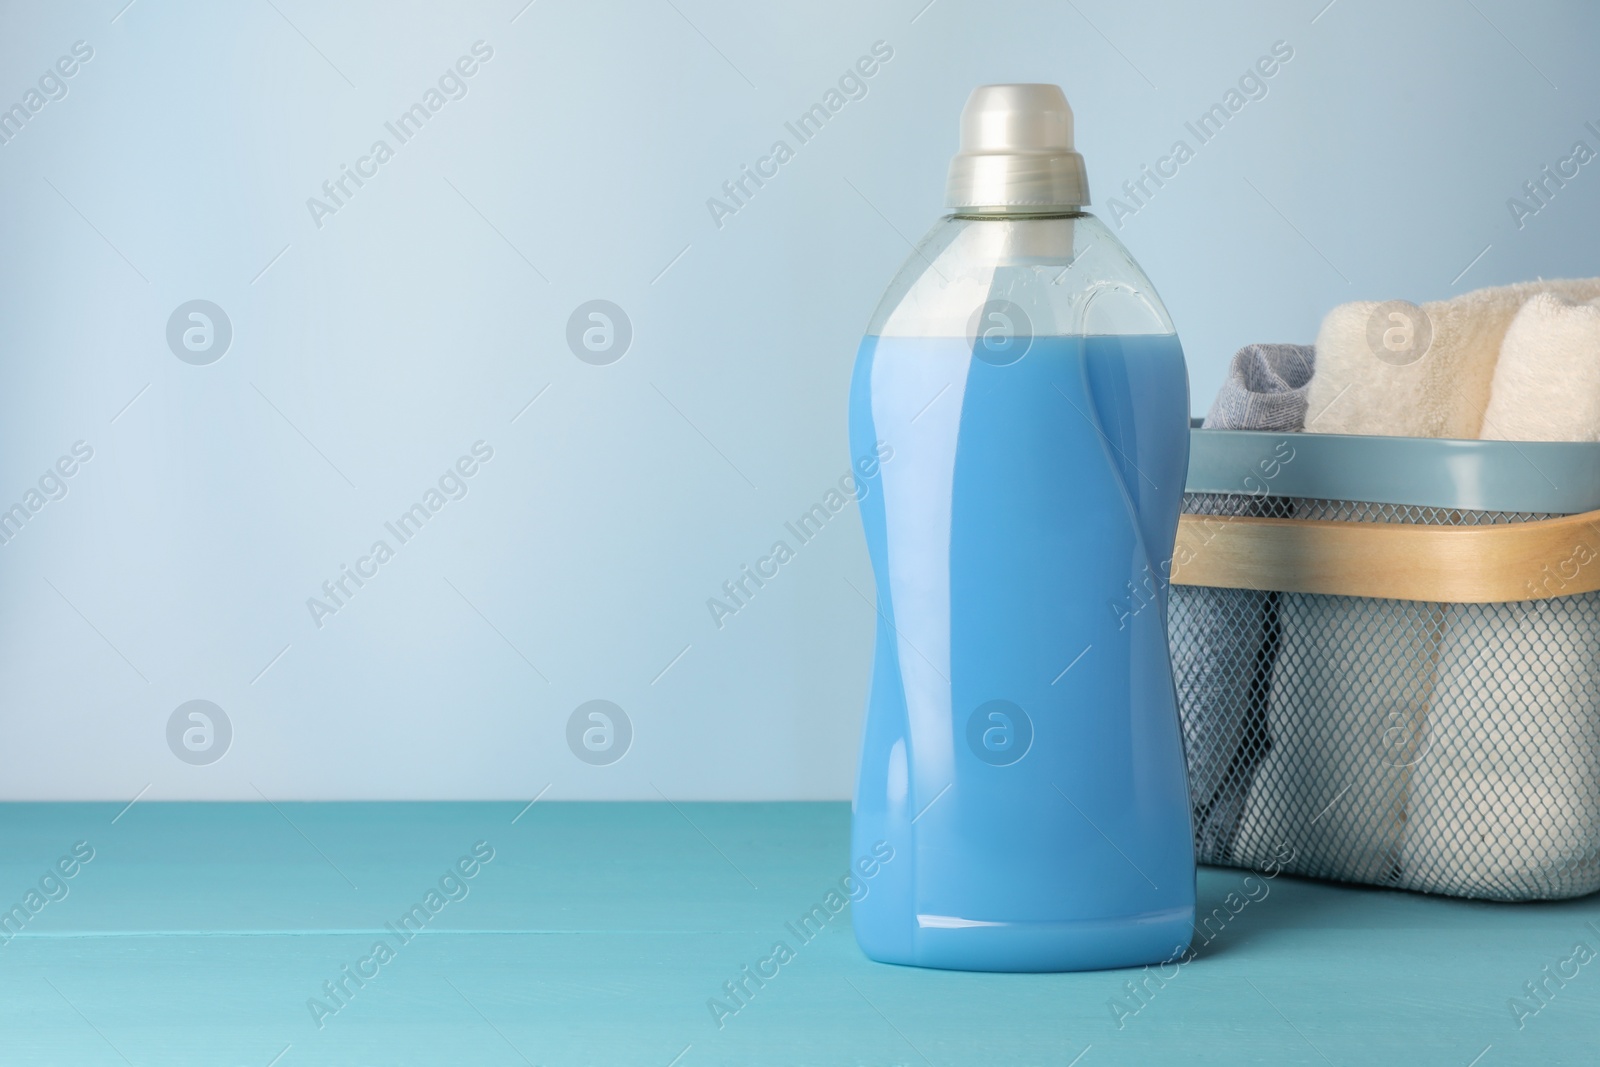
x: 1447, y: 748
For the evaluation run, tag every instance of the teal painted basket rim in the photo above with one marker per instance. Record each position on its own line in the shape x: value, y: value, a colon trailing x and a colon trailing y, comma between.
x: 1553, y: 477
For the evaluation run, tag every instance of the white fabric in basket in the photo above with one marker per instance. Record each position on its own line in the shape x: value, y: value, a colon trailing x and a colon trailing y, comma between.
x: 1349, y: 674
x: 1505, y: 800
x: 1443, y: 392
x: 1546, y: 383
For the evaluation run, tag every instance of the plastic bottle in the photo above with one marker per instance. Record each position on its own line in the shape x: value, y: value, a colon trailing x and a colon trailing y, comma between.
x: 1020, y: 406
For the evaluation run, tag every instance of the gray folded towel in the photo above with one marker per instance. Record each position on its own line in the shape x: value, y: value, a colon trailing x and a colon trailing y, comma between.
x: 1222, y: 673
x: 1266, y: 389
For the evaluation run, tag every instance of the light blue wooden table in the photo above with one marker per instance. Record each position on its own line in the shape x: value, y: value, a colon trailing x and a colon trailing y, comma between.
x: 598, y: 933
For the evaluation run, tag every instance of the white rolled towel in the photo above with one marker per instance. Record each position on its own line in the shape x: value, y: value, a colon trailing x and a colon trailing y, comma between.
x: 1505, y: 800
x: 1546, y: 385
x: 1351, y: 676
x: 1443, y: 392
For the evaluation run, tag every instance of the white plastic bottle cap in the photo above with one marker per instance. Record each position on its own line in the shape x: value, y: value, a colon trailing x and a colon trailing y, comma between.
x: 1016, y: 154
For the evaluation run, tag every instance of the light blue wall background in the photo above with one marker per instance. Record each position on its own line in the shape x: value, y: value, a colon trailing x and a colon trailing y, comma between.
x: 369, y: 354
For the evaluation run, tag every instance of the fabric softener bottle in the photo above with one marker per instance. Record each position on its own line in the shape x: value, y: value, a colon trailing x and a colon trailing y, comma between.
x: 1021, y: 762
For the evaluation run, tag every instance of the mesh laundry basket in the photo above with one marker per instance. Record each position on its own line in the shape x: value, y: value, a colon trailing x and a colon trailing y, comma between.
x: 1387, y: 655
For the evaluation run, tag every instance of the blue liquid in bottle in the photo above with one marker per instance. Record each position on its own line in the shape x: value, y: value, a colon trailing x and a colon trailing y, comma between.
x: 1026, y: 396
x: 1022, y: 753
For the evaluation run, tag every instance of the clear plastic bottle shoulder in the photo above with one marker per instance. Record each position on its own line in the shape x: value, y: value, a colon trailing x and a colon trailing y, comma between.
x: 1068, y: 274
